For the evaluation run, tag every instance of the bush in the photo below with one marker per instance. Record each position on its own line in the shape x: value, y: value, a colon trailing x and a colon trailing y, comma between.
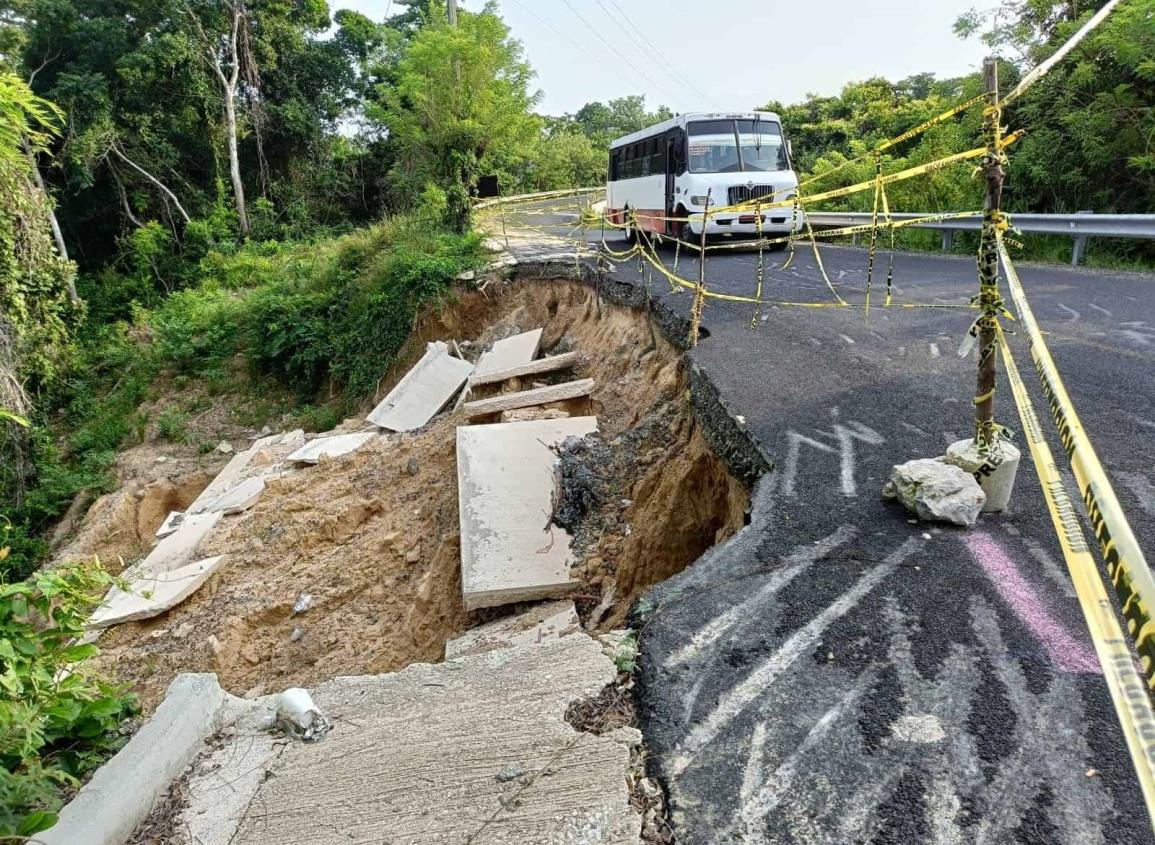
x: 56, y: 721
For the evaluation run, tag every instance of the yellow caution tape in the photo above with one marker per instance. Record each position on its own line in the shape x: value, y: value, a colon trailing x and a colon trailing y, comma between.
x: 1125, y: 562
x: 1132, y: 704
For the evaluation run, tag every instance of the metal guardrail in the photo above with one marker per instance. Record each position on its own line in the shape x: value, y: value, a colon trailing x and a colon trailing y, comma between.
x: 1080, y: 226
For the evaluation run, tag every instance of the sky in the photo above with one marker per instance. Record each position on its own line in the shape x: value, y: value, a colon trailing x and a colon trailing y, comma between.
x: 704, y: 55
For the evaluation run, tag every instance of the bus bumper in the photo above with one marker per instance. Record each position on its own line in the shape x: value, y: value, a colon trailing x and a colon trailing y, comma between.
x: 774, y: 224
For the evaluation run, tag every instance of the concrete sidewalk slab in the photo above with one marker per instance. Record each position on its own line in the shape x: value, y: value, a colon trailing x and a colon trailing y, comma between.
x: 505, y: 480
x: 269, y: 449
x: 541, y: 623
x: 471, y: 750
x: 510, y: 352
x: 331, y: 447
x: 119, y: 796
x: 152, y: 594
x: 178, y: 548
x: 236, y: 499
x: 423, y: 391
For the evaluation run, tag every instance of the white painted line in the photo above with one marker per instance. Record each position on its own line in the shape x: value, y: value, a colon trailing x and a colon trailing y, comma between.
x: 738, y: 698
x: 797, y: 562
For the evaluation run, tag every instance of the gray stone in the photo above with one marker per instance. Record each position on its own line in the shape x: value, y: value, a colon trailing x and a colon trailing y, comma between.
x: 330, y: 447
x: 935, y: 490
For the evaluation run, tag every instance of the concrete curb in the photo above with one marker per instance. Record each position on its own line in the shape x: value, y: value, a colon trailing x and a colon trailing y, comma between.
x: 122, y: 792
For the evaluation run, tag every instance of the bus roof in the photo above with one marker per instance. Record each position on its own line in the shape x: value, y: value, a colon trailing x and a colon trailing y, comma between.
x: 682, y: 119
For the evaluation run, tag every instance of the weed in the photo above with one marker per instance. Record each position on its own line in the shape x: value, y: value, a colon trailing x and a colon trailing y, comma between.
x: 172, y: 426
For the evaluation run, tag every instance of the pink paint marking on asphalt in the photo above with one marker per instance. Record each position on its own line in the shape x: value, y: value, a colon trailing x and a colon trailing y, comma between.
x: 1069, y: 654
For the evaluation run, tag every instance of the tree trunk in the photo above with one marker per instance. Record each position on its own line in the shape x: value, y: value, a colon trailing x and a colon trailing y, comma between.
x: 234, y: 159
x: 159, y: 184
x: 50, y: 209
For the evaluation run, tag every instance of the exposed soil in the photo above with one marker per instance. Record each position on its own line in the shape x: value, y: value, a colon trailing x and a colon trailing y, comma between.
x: 373, y: 536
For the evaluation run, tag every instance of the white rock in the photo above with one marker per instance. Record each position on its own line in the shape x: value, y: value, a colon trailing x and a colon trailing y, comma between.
x: 298, y: 715
x: 935, y: 490
x: 225, y: 447
x: 995, y: 471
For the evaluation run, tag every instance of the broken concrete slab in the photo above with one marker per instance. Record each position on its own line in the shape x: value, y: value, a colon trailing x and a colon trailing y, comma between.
x: 490, y: 759
x: 170, y: 525
x: 536, y: 413
x: 177, y: 549
x: 151, y: 594
x: 935, y: 490
x: 510, y: 352
x: 331, y: 447
x: 234, y: 500
x: 120, y: 794
x: 541, y: 365
x: 505, y: 480
x: 541, y: 623
x: 423, y: 391
x: 264, y: 452
x: 529, y: 398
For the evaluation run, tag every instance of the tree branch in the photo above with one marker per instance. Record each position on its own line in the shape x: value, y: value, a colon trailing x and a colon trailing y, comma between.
x: 159, y: 184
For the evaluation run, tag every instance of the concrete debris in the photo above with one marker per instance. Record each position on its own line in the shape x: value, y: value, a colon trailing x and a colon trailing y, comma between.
x: 481, y: 718
x: 330, y: 447
x: 235, y: 500
x: 528, y: 398
x: 298, y: 716
x: 151, y: 594
x: 120, y: 794
x: 423, y: 391
x: 170, y: 525
x: 510, y: 551
x: 541, y: 365
x: 225, y: 448
x: 177, y: 549
x: 541, y: 623
x: 302, y: 604
x: 511, y: 352
x: 935, y: 490
x: 528, y: 414
x: 274, y: 448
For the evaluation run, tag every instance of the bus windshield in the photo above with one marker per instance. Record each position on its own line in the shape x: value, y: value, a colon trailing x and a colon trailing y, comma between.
x: 733, y: 146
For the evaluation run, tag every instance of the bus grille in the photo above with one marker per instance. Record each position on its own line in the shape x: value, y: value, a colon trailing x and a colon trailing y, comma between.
x: 743, y: 193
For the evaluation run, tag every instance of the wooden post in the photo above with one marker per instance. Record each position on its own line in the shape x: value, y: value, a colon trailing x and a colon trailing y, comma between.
x: 453, y: 13
x: 986, y: 433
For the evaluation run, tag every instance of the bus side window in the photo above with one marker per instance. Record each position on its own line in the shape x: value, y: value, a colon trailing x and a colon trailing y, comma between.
x: 658, y: 163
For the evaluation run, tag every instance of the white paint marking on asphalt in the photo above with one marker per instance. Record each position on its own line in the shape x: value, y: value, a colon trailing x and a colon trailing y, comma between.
x: 1075, y: 315
x: 934, y: 351
x: 1134, y: 324
x: 793, y: 565
x: 1142, y: 487
x: 848, y: 339
x: 1100, y: 309
x: 1138, y: 337
x: 914, y: 428
x: 790, y: 466
x: 755, y: 808
x: 752, y: 775
x: 739, y: 697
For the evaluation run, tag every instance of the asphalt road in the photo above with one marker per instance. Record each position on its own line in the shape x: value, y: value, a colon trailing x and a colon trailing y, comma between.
x: 837, y: 673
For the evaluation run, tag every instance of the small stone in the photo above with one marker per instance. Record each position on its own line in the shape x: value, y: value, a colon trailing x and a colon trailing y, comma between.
x: 626, y: 502
x: 138, y: 494
x: 266, y: 431
x: 412, y: 466
x: 225, y: 447
x: 511, y: 772
x: 182, y: 630
x: 157, y: 634
x: 249, y: 653
x: 215, y: 645
x: 1092, y: 772
x: 303, y: 603
x: 414, y: 555
x: 296, y: 635
x: 467, y: 276
x: 161, y: 459
x: 648, y: 788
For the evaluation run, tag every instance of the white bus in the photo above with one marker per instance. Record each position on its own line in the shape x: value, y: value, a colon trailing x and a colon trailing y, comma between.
x: 669, y: 169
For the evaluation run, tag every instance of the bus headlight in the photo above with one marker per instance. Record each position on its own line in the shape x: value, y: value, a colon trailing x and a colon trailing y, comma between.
x: 701, y: 200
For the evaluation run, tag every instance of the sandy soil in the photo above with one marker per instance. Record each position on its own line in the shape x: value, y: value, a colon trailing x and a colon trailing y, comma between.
x: 373, y: 537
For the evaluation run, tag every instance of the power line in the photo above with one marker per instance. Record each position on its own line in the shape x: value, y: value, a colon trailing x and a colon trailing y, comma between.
x: 614, y: 49
x: 653, y: 51
x: 547, y: 25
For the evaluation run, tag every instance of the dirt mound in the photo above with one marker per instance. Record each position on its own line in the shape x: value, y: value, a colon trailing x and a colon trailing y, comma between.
x: 372, y: 538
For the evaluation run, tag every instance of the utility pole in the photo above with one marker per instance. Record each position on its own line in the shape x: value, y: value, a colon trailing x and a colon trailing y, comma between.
x: 986, y: 433
x: 453, y: 13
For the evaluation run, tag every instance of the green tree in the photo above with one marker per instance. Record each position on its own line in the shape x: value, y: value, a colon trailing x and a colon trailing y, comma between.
x: 460, y: 103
